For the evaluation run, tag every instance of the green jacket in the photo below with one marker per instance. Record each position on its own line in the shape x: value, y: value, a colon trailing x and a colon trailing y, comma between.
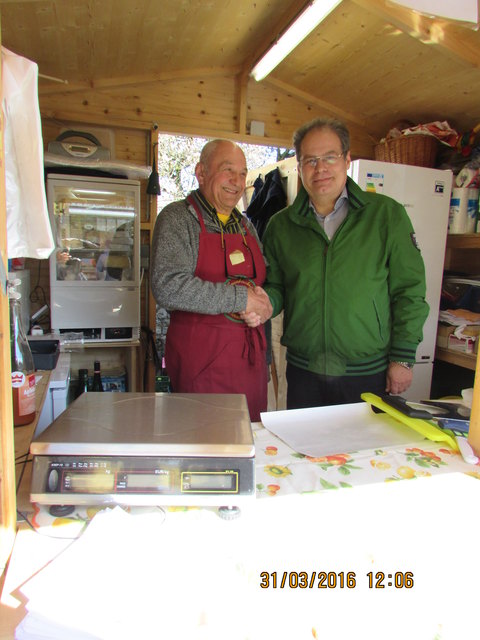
x: 355, y: 302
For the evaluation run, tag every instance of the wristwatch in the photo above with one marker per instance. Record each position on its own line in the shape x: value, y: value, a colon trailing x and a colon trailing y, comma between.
x: 405, y: 365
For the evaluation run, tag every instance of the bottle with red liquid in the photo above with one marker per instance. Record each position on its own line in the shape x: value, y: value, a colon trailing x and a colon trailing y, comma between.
x: 23, y: 368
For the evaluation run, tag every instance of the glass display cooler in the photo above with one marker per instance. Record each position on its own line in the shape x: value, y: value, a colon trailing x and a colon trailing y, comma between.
x: 95, y: 268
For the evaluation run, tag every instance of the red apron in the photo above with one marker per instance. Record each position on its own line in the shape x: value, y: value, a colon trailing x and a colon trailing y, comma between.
x: 213, y: 353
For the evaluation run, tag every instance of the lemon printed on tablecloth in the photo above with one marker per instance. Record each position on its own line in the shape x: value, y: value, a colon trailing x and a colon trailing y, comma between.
x: 474, y: 474
x: 381, y: 466
x: 407, y: 473
x: 277, y: 471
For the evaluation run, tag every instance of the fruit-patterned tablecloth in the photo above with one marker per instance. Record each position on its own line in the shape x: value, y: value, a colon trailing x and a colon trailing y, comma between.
x: 280, y: 470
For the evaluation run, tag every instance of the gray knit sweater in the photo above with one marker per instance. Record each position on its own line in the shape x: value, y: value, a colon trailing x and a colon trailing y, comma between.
x: 174, y: 259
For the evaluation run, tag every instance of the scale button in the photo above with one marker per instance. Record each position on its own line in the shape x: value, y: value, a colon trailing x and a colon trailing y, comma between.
x: 52, y: 481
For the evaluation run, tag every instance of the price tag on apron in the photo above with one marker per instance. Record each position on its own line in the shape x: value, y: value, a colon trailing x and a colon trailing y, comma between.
x: 236, y: 257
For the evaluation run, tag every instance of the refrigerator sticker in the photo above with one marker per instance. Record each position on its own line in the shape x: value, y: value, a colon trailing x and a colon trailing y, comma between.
x: 374, y: 182
x: 439, y: 186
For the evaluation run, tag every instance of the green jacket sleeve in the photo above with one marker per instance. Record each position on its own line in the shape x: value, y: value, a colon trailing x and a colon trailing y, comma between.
x: 407, y: 287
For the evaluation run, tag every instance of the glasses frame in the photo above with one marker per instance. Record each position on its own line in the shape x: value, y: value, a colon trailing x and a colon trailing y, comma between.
x: 329, y: 160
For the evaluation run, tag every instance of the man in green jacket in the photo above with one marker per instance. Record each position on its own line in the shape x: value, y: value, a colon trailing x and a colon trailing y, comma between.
x: 344, y: 266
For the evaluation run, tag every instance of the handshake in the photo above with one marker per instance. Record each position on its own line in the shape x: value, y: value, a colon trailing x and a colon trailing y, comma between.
x: 259, y: 308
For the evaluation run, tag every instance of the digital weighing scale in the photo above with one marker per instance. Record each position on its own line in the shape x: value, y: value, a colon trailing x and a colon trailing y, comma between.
x: 146, y: 449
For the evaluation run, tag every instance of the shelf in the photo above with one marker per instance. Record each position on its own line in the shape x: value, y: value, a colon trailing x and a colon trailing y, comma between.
x: 463, y: 241
x: 466, y: 360
x: 111, y: 354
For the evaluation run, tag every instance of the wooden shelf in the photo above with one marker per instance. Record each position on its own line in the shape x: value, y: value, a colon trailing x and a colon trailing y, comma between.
x: 466, y: 360
x: 463, y: 241
x: 111, y: 354
x: 462, y: 253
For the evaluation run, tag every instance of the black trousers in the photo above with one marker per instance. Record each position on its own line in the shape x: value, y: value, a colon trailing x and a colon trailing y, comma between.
x: 308, y: 389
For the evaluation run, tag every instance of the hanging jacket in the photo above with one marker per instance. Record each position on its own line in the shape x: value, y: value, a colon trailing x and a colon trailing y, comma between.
x: 268, y: 198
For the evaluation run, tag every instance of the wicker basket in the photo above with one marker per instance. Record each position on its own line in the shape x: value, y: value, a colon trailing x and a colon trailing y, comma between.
x: 417, y: 149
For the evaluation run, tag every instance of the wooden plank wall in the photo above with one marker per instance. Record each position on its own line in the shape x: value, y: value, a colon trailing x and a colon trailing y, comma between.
x: 209, y: 106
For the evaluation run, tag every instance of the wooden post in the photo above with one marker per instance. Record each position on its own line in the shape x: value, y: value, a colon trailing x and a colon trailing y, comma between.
x: 474, y: 431
x: 151, y: 320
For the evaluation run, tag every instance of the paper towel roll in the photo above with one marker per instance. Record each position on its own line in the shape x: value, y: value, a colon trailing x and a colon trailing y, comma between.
x: 463, y: 210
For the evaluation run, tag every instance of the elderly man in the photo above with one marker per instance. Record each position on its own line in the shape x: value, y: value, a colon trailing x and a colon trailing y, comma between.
x: 207, y: 268
x: 345, y: 267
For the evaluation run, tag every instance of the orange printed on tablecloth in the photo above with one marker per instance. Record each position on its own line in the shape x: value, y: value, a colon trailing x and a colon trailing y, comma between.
x: 337, y: 459
x: 272, y: 489
x: 271, y: 451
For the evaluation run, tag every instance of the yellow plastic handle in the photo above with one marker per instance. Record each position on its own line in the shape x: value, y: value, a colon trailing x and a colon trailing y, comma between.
x: 424, y: 427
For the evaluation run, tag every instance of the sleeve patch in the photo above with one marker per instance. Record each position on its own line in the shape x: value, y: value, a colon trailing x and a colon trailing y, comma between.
x: 414, y: 241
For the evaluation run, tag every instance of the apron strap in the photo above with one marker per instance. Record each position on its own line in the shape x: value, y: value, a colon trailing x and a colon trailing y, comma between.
x: 191, y: 200
x: 255, y: 345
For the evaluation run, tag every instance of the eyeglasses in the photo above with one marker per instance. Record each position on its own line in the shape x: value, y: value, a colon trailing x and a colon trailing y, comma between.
x: 329, y: 160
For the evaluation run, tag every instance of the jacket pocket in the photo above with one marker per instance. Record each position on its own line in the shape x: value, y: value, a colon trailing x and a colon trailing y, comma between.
x: 380, y: 323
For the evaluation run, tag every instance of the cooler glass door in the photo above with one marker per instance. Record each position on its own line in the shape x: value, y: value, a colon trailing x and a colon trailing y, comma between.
x: 95, y: 268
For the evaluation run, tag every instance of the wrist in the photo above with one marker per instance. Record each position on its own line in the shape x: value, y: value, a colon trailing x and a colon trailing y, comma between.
x: 405, y: 365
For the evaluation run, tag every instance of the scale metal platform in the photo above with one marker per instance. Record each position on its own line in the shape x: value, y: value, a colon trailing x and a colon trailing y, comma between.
x: 146, y: 449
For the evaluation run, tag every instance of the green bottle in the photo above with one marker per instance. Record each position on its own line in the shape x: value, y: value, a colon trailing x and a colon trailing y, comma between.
x: 82, y: 386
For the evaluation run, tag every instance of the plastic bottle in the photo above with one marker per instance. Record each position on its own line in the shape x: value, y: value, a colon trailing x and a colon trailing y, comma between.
x: 82, y: 386
x: 23, y: 368
x: 97, y: 384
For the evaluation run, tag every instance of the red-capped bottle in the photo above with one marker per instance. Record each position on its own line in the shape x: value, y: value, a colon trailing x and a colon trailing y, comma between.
x: 97, y: 384
x: 23, y: 368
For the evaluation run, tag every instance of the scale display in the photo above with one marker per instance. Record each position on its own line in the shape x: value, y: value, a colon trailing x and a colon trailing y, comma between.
x: 141, y: 448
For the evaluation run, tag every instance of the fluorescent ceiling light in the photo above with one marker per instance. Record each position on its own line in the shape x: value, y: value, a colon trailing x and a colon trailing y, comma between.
x: 297, y: 31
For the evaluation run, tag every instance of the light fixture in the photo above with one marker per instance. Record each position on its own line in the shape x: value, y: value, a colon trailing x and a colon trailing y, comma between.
x: 296, y: 32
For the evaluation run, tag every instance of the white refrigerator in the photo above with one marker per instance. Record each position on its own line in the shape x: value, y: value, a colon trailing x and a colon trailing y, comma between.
x: 425, y: 194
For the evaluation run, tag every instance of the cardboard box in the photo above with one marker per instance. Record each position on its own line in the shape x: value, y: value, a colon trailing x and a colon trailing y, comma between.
x: 467, y: 344
x: 443, y: 332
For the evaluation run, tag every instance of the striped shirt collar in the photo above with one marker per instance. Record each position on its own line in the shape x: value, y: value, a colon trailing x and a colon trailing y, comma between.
x: 233, y: 224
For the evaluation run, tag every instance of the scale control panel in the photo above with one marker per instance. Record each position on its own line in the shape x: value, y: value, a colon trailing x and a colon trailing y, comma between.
x: 79, y: 479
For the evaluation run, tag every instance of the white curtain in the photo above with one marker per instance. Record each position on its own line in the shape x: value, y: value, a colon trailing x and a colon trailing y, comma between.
x: 29, y: 234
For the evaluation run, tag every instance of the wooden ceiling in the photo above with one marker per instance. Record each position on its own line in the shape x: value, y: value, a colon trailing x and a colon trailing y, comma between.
x: 184, y: 65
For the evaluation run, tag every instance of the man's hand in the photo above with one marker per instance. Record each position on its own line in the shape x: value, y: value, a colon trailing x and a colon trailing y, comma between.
x: 259, y: 308
x: 252, y: 318
x: 398, y: 378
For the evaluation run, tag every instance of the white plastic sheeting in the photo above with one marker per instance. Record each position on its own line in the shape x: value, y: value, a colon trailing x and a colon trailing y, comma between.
x: 29, y: 234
